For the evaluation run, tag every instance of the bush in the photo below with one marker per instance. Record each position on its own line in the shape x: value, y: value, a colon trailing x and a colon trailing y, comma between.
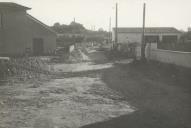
x: 23, y: 68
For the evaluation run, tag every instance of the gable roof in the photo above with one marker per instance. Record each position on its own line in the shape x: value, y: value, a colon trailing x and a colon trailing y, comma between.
x: 41, y: 23
x: 148, y: 30
x: 11, y: 5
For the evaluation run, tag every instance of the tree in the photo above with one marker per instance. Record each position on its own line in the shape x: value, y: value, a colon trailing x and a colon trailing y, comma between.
x: 73, y: 28
x: 98, y: 39
x: 100, y: 30
x: 57, y: 24
x: 76, y: 27
x: 66, y: 40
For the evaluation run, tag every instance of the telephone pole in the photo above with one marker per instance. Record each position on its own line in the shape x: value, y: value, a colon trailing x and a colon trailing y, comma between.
x: 109, y: 35
x: 74, y: 20
x: 143, y: 35
x: 116, y: 24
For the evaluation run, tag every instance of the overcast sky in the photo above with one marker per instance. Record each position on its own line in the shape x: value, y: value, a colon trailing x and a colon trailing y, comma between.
x: 159, y: 13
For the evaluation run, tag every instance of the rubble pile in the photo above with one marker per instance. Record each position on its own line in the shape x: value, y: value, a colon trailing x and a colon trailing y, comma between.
x: 75, y: 56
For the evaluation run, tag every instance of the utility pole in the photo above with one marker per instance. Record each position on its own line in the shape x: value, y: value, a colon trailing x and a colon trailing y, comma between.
x: 143, y: 36
x: 109, y: 35
x: 116, y: 24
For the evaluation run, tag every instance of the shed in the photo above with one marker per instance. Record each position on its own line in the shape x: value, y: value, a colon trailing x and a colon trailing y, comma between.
x: 21, y: 33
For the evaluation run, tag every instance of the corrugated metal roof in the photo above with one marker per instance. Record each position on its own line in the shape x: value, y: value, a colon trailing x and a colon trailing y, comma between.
x: 11, y: 5
x: 148, y: 30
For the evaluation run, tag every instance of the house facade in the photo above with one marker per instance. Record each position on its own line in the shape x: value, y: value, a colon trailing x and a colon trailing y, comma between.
x: 21, y: 33
x: 152, y: 35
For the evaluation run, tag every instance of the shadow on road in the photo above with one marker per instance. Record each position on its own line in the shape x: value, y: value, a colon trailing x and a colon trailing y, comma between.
x: 87, y: 73
x: 137, y: 119
x: 162, y: 100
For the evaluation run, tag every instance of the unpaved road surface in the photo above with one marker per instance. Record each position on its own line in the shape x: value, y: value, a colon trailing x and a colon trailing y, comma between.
x: 76, y: 96
x: 100, y: 94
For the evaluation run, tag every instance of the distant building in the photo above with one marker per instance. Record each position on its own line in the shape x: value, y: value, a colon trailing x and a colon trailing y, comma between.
x: 189, y: 29
x: 187, y: 36
x: 21, y: 33
x: 152, y: 35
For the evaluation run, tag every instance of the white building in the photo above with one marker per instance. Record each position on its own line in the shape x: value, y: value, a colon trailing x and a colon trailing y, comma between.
x: 152, y: 34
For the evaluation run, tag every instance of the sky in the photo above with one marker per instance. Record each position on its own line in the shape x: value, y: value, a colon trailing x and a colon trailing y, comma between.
x: 96, y: 13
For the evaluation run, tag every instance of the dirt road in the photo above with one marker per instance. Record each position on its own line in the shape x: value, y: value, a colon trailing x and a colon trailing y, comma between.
x: 76, y: 96
x: 100, y: 94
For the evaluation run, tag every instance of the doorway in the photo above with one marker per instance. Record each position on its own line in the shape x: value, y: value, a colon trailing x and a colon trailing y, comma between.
x: 38, y: 48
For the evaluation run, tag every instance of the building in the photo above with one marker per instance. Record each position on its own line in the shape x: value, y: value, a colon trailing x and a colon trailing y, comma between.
x: 21, y: 33
x: 152, y: 35
x: 189, y: 29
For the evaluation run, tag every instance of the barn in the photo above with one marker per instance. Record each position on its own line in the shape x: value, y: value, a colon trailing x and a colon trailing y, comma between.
x: 21, y: 33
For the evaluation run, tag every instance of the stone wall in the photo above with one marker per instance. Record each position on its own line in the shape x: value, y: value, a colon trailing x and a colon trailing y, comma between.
x: 168, y: 56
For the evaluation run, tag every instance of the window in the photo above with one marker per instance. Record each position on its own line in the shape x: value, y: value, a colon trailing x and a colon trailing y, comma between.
x: 169, y: 39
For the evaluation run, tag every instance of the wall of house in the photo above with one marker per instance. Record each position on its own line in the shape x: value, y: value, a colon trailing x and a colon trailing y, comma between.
x: 129, y: 37
x: 14, y: 32
x: 167, y: 56
x: 164, y: 34
x: 19, y: 31
x: 137, y: 37
x: 39, y: 31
